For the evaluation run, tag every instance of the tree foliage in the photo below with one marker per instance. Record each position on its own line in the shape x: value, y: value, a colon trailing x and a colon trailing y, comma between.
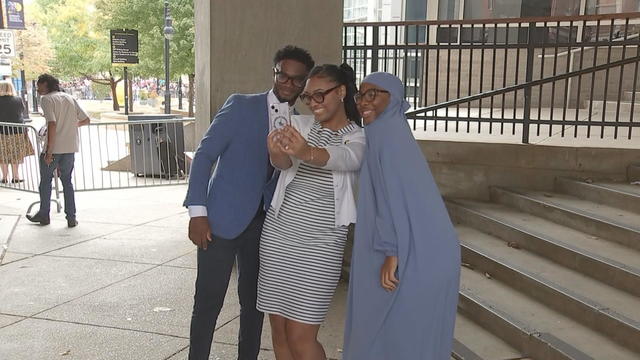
x: 80, y: 48
x: 35, y: 51
x: 79, y: 34
x: 147, y: 16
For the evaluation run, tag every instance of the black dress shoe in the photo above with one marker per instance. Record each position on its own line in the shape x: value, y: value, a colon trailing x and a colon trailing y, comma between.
x: 37, y: 218
x: 72, y: 223
x: 15, y: 181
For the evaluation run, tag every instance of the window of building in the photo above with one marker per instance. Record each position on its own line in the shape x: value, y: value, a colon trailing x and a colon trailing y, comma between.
x: 497, y: 9
x: 448, y: 9
x: 611, y: 6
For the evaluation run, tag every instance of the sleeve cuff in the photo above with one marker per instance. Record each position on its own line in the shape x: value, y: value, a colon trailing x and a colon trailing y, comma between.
x: 390, y: 252
x: 197, y: 210
x: 333, y: 157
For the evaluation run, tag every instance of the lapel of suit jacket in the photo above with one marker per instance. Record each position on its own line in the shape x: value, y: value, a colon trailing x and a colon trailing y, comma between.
x: 264, y: 114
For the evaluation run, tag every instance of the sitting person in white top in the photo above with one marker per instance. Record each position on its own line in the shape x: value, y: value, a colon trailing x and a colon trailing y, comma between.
x: 305, y: 232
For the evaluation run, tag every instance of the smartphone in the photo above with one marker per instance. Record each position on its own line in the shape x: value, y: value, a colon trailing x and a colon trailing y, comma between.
x: 279, y: 116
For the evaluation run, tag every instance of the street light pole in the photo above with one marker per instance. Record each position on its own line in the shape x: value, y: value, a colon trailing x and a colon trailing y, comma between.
x: 23, y: 88
x: 168, y: 34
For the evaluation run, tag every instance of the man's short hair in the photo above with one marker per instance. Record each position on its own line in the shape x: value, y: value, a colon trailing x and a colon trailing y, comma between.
x: 53, y: 84
x: 291, y: 52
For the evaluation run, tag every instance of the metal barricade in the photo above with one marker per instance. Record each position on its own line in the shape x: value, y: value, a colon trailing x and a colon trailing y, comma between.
x: 112, y: 155
x: 20, y: 149
x: 127, y: 154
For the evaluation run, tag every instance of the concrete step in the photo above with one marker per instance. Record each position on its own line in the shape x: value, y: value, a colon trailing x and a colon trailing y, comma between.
x: 527, y: 341
x: 473, y: 342
x: 462, y: 352
x: 600, y: 307
x: 633, y: 173
x: 608, y: 262
x: 612, y: 109
x: 628, y: 96
x: 618, y: 195
x: 599, y: 220
x: 530, y: 326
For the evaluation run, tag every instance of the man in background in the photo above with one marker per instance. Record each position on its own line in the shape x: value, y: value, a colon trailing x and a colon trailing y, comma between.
x: 63, y: 116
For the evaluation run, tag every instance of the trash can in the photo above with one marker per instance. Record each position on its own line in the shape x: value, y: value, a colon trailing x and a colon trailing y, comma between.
x: 157, y: 146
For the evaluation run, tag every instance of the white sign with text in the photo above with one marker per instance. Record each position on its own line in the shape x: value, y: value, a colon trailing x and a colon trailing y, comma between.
x: 7, y: 45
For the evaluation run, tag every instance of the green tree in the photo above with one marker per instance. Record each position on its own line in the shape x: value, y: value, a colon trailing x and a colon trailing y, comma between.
x: 79, y: 48
x: 147, y: 16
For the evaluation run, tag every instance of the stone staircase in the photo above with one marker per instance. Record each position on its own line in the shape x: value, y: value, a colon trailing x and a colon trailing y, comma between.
x: 630, y: 101
x: 550, y: 274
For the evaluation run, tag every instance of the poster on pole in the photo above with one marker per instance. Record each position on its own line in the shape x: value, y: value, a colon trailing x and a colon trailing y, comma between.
x: 12, y: 14
x: 124, y: 47
x: 7, y: 44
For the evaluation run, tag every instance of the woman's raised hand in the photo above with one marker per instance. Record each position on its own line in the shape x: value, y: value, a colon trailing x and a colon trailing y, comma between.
x: 293, y: 143
x: 274, y: 143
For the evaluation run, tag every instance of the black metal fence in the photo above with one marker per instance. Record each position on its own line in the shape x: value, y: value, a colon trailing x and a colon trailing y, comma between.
x: 566, y: 76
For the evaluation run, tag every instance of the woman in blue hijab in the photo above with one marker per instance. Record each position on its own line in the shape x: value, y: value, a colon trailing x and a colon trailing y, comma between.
x: 405, y: 267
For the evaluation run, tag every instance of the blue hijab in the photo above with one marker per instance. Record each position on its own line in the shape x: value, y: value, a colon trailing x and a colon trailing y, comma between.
x: 400, y: 213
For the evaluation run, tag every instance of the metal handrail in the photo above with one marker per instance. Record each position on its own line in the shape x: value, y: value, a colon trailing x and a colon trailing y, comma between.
x: 492, y: 93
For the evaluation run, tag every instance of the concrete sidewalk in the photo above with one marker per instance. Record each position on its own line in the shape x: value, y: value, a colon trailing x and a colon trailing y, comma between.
x: 118, y: 286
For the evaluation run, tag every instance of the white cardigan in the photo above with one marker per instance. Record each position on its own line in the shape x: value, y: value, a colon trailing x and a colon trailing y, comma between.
x: 344, y: 163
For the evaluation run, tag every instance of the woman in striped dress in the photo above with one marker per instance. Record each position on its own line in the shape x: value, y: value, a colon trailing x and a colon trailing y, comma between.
x: 305, y: 231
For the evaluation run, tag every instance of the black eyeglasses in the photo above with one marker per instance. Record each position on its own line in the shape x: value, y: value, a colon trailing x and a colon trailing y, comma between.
x: 369, y: 95
x: 317, y: 96
x: 282, y: 78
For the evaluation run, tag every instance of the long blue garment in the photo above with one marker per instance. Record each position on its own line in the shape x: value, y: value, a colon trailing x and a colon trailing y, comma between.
x: 400, y: 212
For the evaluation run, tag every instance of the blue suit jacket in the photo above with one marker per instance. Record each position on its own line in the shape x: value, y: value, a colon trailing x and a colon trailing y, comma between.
x: 237, y: 140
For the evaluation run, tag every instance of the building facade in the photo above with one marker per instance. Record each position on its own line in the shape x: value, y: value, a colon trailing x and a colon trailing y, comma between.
x: 411, y: 63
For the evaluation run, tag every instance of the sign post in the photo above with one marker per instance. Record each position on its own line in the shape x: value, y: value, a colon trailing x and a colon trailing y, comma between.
x: 124, y: 51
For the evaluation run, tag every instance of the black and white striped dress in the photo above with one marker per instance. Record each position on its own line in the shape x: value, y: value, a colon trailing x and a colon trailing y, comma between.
x: 301, y: 249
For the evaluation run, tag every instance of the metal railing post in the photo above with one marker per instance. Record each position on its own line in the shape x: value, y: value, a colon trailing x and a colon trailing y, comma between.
x: 34, y: 94
x: 374, y: 48
x: 526, y: 116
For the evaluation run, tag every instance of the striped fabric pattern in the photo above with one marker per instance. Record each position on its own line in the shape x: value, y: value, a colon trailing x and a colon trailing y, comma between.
x: 301, y: 249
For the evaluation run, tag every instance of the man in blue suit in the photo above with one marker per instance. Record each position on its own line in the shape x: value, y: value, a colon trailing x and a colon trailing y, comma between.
x: 227, y: 208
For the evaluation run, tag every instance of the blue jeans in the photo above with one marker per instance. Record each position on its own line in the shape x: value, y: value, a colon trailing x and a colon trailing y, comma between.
x: 64, y: 162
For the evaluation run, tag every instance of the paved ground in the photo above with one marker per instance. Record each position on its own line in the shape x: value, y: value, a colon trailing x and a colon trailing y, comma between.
x: 119, y: 286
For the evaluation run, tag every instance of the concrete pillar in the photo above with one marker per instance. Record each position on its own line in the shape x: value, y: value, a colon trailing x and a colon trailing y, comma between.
x: 236, y: 41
